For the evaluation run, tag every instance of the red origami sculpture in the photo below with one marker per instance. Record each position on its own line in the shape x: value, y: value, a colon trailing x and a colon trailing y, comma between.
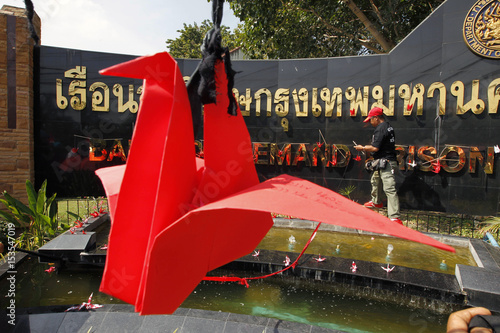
x: 214, y: 209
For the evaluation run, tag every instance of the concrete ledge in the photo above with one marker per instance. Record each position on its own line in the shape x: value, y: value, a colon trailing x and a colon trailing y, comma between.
x: 482, y: 284
x: 8, y: 266
x: 70, y: 245
x: 67, y: 247
x: 483, y: 254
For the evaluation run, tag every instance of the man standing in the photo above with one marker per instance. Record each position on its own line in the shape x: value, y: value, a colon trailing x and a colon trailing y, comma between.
x: 383, y: 147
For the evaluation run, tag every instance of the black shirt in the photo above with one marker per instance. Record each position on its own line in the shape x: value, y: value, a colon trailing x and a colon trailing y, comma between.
x: 385, y: 140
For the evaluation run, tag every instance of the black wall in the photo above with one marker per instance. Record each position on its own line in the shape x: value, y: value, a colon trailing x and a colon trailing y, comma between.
x: 434, y: 53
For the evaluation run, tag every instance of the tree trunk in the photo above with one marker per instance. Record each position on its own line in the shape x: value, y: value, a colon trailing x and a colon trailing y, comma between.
x: 386, y: 45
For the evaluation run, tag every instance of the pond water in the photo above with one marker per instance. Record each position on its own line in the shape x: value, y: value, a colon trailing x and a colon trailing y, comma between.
x: 337, y: 306
x: 333, y: 306
x: 328, y: 305
x: 369, y: 248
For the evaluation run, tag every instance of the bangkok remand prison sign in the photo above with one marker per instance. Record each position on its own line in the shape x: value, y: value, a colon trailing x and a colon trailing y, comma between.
x: 439, y: 88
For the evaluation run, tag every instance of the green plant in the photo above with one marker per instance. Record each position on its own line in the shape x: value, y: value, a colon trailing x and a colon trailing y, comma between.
x: 492, y: 225
x: 346, y: 191
x: 37, y: 221
x: 3, y: 239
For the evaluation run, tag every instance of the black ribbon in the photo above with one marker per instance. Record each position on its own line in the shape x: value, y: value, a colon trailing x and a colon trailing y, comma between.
x: 201, y: 87
x: 30, y: 12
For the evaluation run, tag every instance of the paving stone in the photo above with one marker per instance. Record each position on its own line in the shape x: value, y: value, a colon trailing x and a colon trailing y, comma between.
x: 49, y: 322
x: 169, y: 323
x: 121, y: 322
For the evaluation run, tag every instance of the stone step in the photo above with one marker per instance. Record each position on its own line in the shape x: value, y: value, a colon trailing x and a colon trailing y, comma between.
x: 482, y: 283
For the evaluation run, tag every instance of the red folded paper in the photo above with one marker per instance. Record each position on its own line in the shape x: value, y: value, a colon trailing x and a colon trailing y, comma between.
x: 174, y: 205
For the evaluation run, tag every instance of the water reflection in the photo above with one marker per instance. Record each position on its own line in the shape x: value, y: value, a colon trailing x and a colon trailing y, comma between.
x: 336, y: 307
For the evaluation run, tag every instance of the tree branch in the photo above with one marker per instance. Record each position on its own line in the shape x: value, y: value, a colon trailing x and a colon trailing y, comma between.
x: 369, y: 45
x: 377, y: 12
x: 386, y: 45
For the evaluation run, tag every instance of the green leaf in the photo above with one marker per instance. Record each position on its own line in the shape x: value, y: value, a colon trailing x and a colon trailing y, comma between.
x: 52, y: 206
x: 18, y: 206
x: 44, y: 219
x: 32, y: 195
x: 9, y: 206
x: 9, y: 201
x: 9, y: 218
x: 40, y: 203
x: 64, y: 226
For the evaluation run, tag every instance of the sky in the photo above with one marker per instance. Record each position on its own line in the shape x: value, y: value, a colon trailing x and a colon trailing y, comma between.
x: 119, y: 26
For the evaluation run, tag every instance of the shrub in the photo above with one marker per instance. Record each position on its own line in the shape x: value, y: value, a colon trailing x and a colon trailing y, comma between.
x: 37, y: 221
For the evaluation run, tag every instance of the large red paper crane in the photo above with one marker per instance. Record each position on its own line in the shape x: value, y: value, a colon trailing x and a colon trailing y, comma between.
x: 174, y: 205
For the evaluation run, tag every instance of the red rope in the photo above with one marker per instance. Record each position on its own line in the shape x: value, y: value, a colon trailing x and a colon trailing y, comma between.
x: 244, y: 281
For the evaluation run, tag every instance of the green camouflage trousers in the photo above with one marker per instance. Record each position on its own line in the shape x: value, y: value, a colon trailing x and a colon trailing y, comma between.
x: 384, y: 181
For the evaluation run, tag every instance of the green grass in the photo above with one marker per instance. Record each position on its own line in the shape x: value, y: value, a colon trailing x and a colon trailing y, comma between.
x: 82, y: 207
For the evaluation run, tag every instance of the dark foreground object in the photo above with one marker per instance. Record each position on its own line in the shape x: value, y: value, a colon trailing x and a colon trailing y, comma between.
x: 122, y: 318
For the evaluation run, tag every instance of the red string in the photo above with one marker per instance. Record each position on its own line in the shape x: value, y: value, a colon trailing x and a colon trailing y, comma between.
x: 244, y: 281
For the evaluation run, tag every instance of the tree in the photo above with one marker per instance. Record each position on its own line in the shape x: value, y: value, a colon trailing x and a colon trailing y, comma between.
x: 188, y: 44
x: 283, y: 29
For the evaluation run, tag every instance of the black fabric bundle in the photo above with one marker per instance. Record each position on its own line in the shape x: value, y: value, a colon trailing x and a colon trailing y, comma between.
x: 30, y: 12
x: 201, y: 87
